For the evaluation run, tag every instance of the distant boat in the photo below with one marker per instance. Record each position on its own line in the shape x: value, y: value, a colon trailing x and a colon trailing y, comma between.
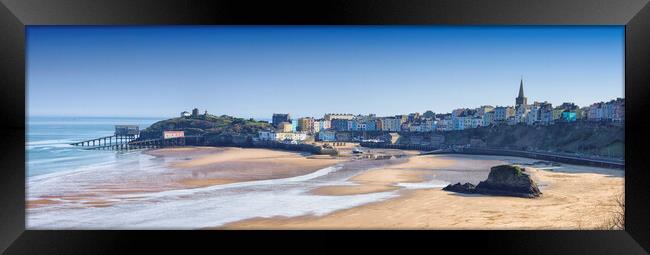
x: 356, y: 151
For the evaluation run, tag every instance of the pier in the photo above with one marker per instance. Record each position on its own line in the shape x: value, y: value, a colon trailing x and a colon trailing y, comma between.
x: 123, y: 135
x: 127, y: 137
x: 106, y: 141
x: 143, y: 144
x: 134, y: 143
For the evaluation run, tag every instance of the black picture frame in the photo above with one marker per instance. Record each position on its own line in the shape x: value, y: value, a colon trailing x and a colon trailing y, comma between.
x: 16, y: 14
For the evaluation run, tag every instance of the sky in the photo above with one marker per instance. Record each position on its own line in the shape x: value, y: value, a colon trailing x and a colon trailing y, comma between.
x: 255, y: 71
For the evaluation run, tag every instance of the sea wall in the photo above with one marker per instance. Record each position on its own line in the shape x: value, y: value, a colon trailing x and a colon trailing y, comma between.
x: 556, y: 157
x: 586, y: 138
x: 294, y: 147
x: 249, y: 141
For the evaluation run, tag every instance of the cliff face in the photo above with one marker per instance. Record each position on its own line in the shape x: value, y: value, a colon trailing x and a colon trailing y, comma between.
x: 589, y: 138
x: 217, y: 130
x: 604, y: 139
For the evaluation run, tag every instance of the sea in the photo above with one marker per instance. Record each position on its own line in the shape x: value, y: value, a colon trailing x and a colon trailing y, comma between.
x: 48, y: 139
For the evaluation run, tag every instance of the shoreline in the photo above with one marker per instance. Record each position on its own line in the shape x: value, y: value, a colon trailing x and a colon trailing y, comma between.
x: 177, y: 168
x: 233, y: 165
x: 407, y: 191
x: 577, y: 197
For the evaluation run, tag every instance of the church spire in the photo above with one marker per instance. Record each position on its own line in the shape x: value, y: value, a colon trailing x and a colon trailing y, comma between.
x: 521, y: 87
x: 521, y: 99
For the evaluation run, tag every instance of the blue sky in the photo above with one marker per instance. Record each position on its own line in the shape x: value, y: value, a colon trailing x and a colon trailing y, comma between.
x: 254, y: 71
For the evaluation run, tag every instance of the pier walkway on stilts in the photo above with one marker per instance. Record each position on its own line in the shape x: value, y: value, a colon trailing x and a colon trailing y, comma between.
x: 127, y: 137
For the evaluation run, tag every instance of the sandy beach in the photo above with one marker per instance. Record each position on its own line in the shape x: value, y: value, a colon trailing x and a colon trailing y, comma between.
x: 212, y: 166
x: 270, y: 189
x: 575, y: 197
x: 183, y: 168
x: 416, y: 169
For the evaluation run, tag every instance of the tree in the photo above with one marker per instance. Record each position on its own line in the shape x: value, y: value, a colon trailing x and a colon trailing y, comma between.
x: 428, y: 114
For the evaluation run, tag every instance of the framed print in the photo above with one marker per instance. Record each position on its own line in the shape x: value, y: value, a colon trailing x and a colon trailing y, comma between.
x: 510, y: 122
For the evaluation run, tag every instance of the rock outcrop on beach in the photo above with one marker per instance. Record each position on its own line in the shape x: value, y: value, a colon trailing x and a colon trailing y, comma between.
x: 503, y: 180
x: 460, y: 188
x: 508, y: 180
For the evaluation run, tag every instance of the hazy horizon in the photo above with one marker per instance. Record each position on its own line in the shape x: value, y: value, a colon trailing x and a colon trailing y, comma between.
x: 255, y: 71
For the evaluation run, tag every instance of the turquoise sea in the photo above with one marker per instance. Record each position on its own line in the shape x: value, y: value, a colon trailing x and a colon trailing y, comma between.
x: 47, y: 141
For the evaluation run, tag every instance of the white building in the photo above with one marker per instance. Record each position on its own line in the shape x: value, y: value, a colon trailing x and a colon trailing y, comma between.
x: 521, y: 112
x: 445, y: 125
x: 342, y: 116
x: 316, y: 126
x: 325, y: 124
x: 467, y: 122
x: 429, y: 125
x: 502, y: 113
x: 281, y: 136
x: 476, y: 122
x: 532, y: 117
x: 415, y: 128
x: 512, y: 120
x: 613, y: 110
x: 459, y: 123
x: 293, y: 136
x: 618, y: 114
x: 391, y: 124
x: 327, y: 135
x: 266, y: 135
x: 423, y: 126
x: 608, y: 110
x: 488, y: 118
x: 546, y: 115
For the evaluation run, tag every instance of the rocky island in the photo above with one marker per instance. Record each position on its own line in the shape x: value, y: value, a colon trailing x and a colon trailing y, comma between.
x: 224, y: 131
x: 503, y: 180
x: 217, y: 130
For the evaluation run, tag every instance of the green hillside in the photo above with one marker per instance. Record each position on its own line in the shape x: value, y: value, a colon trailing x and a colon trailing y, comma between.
x: 217, y: 130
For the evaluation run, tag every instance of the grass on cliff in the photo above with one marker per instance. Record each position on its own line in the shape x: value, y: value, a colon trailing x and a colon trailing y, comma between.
x: 209, y: 124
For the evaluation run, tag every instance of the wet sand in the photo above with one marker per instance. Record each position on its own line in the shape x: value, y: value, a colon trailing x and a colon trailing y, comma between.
x: 415, y: 169
x: 344, y: 190
x: 35, y: 203
x: 183, y: 168
x: 575, y: 197
x: 229, y: 165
